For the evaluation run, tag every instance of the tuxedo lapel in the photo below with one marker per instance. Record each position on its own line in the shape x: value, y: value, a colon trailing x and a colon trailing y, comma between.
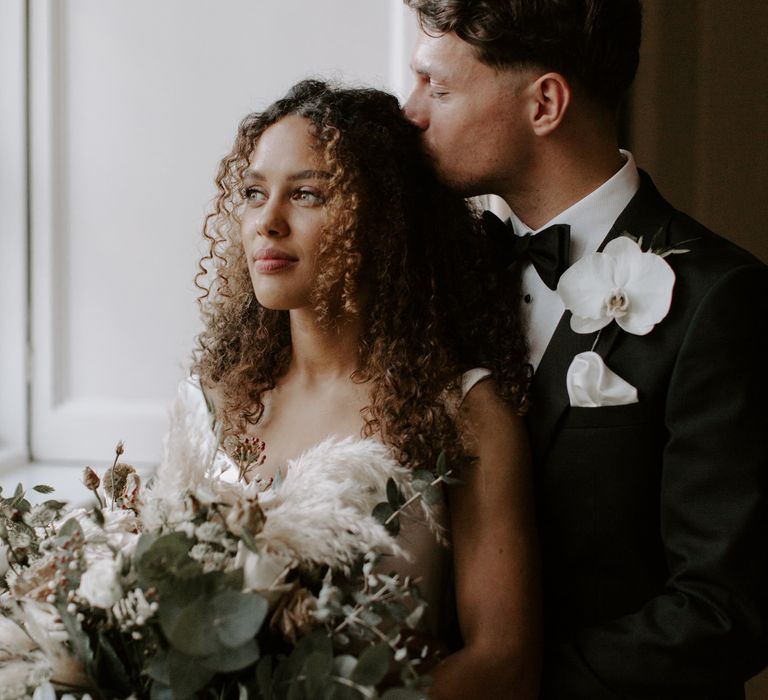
x: 646, y: 215
x: 549, y: 395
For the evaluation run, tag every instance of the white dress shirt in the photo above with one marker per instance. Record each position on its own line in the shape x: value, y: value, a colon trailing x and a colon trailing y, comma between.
x: 590, y: 219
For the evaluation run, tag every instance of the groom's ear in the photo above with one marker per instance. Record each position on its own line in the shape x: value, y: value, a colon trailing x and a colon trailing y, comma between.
x: 550, y: 97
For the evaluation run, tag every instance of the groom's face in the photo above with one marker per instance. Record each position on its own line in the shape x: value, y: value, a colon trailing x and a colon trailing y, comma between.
x: 473, y: 117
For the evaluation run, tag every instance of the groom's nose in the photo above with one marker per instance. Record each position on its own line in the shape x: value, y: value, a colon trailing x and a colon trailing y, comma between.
x: 415, y: 111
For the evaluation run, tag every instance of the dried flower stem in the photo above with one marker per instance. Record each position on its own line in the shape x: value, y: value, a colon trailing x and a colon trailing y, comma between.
x: 416, y: 496
x: 119, y: 449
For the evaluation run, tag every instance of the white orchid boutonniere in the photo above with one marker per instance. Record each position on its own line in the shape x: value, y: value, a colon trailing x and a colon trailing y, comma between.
x: 623, y: 283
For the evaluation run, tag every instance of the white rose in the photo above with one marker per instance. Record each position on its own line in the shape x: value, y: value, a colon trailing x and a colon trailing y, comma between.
x: 100, y: 584
x: 261, y: 571
x: 4, y: 566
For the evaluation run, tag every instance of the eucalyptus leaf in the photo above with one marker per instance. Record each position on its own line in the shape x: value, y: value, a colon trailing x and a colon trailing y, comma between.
x: 382, y: 511
x: 229, y: 660
x: 370, y: 617
x: 341, y: 639
x: 190, y: 630
x: 403, y: 694
x: 397, y: 610
x: 394, y: 497
x: 163, y: 559
x: 281, y: 677
x: 238, y: 617
x: 344, y: 665
x: 69, y: 528
x: 158, y: 667
x: 315, y: 641
x: 413, y: 619
x: 264, y: 677
x: 432, y: 495
x: 233, y: 580
x: 441, y: 464
x: 372, y: 665
x: 108, y: 670
x: 214, y: 582
x: 393, y: 526
x: 421, y: 480
x: 187, y: 674
x: 79, y: 640
x: 145, y: 541
x: 317, y: 669
x: 344, y: 692
x: 160, y: 691
x: 55, y: 505
x: 296, y: 690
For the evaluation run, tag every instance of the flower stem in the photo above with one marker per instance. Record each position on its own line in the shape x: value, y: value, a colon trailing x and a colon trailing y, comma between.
x: 414, y: 498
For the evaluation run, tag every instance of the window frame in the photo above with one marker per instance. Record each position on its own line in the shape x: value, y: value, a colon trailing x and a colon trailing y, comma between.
x: 14, y: 198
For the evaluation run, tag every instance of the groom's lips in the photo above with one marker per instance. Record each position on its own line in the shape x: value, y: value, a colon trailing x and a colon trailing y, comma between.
x: 270, y: 259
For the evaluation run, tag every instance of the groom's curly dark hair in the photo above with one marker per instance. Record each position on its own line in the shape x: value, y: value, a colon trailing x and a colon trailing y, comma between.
x: 434, y: 303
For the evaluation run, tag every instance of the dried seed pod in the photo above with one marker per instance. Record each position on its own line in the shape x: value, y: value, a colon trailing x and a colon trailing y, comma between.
x: 91, y: 479
x: 116, y: 480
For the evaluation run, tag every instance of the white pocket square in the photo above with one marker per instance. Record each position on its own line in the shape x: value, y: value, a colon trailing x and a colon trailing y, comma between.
x: 591, y: 384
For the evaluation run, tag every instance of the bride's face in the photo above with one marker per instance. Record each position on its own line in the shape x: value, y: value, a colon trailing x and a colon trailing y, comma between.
x: 285, y: 189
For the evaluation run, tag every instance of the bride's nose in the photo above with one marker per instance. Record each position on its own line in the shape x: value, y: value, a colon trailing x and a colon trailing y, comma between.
x: 271, y: 220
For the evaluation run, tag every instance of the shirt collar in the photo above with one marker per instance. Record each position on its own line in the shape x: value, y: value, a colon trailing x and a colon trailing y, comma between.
x: 592, y: 217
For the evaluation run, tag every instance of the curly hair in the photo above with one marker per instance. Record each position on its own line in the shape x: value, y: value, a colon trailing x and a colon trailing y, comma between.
x: 434, y: 305
x: 595, y: 42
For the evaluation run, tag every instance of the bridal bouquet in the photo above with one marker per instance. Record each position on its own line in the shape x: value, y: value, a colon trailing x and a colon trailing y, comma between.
x: 199, y: 586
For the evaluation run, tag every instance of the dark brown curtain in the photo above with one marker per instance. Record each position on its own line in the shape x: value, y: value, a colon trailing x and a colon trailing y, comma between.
x: 698, y: 114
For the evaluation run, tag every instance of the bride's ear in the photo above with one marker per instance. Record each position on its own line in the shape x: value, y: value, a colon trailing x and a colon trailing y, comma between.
x: 550, y: 97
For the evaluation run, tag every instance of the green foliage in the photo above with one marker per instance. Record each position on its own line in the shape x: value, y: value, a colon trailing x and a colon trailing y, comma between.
x: 108, y: 670
x: 372, y: 665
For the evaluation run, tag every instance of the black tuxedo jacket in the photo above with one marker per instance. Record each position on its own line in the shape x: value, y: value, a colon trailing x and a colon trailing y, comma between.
x: 653, y: 516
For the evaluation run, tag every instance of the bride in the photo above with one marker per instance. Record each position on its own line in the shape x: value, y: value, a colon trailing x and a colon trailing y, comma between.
x: 348, y: 293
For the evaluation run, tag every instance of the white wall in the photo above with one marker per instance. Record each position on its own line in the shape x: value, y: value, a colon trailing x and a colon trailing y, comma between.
x: 132, y: 106
x: 13, y: 235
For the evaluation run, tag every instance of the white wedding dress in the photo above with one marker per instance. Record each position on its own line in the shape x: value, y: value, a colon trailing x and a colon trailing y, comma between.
x: 426, y: 559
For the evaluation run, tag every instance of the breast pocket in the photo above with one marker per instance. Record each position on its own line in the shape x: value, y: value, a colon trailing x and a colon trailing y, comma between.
x: 578, y: 417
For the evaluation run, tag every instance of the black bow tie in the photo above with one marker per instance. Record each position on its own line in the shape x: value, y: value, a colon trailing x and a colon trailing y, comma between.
x: 548, y: 250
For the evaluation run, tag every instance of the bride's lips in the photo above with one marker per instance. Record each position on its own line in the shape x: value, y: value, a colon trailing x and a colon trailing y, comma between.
x: 269, y: 260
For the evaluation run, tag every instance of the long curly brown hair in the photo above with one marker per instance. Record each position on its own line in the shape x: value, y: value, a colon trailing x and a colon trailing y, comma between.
x: 434, y: 305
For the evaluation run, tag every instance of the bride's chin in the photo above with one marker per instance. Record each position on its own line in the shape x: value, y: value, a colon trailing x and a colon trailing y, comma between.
x: 275, y: 302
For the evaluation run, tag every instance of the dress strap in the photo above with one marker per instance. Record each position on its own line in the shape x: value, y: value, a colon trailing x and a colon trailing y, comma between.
x: 472, y: 377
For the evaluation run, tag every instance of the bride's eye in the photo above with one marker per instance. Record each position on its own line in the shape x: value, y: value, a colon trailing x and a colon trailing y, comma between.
x: 309, y: 196
x: 254, y: 195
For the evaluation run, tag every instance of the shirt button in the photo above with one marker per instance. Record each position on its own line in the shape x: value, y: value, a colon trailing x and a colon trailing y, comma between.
x: 527, y: 298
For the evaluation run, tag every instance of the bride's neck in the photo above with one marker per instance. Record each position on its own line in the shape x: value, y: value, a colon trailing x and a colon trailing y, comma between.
x: 319, y: 354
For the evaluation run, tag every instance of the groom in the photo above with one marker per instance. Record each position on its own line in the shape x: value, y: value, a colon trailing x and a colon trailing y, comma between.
x: 650, y: 453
